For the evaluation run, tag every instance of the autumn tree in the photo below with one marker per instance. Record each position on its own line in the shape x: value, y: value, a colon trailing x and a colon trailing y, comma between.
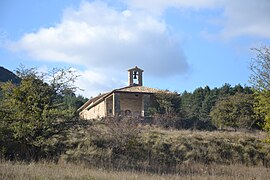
x: 260, y: 79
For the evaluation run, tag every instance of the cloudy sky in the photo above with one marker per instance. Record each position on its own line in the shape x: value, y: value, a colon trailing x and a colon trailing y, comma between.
x: 180, y: 44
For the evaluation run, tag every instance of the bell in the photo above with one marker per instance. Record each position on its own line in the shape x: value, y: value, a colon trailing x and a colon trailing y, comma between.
x: 135, y: 75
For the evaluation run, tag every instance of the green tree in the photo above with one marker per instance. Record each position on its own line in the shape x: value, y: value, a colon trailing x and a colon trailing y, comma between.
x: 186, y: 104
x: 260, y: 79
x: 234, y: 111
x: 166, y: 108
x: 73, y: 102
x: 33, y: 112
x: 207, y: 104
x: 195, y: 108
x: 191, y: 103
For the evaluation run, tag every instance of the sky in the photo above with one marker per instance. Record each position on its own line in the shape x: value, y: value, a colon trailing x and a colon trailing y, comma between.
x: 181, y: 45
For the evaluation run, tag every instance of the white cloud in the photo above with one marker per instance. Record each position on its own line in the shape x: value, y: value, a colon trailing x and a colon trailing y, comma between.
x: 93, y: 82
x: 246, y: 17
x: 99, y: 36
x: 236, y: 18
x: 159, y: 6
x: 106, y: 41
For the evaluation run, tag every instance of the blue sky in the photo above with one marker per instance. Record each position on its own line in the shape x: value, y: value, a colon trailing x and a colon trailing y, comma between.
x: 180, y: 44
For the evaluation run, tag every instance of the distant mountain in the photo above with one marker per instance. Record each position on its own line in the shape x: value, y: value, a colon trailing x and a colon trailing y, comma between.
x: 7, y: 75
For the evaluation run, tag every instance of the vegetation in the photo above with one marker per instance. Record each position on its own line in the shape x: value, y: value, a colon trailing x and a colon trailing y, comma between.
x: 48, y: 170
x: 260, y: 79
x: 165, y: 111
x: 235, y: 111
x: 34, y: 113
x: 39, y: 122
x: 206, y: 109
x: 150, y: 149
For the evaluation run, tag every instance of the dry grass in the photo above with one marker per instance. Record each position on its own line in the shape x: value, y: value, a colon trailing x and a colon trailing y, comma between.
x: 45, y: 170
x: 158, y: 150
x: 216, y: 134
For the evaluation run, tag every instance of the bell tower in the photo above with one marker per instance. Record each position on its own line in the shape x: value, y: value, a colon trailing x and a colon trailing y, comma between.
x: 135, y: 76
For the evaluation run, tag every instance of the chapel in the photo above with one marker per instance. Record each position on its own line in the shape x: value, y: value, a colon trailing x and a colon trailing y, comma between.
x: 132, y: 100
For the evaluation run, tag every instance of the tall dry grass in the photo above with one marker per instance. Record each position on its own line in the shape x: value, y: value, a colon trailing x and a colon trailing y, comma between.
x: 119, y: 145
x: 48, y: 170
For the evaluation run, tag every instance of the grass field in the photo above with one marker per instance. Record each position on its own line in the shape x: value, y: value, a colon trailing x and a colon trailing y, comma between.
x: 47, y: 170
x: 181, y: 154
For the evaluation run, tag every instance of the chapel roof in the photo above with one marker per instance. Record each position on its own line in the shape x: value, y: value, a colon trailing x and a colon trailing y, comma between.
x: 138, y: 89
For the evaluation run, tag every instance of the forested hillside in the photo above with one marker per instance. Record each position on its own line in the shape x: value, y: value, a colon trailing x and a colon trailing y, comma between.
x: 207, y: 109
x: 6, y: 75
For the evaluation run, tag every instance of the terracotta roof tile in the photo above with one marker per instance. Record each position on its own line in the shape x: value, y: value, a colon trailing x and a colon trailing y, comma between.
x: 138, y: 89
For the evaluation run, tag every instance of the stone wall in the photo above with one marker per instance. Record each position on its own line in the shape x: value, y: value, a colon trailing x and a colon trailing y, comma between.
x: 134, y: 104
x: 131, y: 102
x: 95, y: 112
x: 109, y: 106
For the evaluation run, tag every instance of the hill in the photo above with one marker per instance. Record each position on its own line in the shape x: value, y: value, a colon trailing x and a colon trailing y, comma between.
x: 122, y: 145
x: 7, y: 75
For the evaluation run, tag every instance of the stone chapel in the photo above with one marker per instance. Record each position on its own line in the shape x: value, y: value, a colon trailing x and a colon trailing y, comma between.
x: 133, y: 100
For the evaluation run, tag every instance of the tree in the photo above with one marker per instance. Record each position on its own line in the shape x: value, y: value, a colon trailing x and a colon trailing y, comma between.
x: 234, y: 111
x: 33, y: 112
x: 260, y: 79
x: 166, y: 108
x: 195, y: 107
x: 207, y: 105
